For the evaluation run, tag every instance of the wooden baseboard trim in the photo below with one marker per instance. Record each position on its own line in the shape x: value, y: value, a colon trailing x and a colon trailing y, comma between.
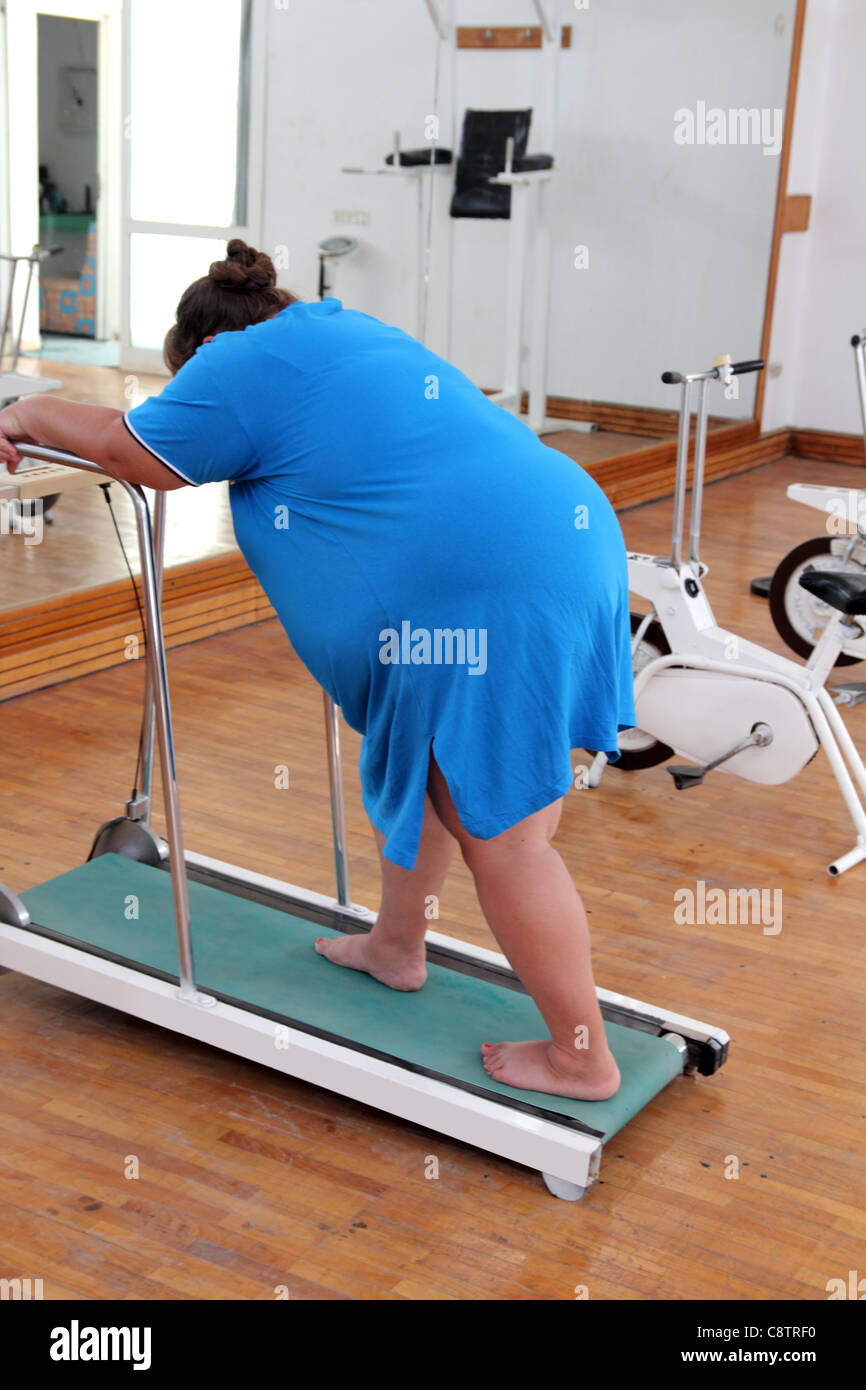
x: 825, y: 444
x: 649, y: 421
x: 647, y: 475
x: 76, y: 634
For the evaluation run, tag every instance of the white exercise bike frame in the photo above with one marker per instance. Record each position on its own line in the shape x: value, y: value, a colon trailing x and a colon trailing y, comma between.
x: 689, y: 713
x: 846, y: 506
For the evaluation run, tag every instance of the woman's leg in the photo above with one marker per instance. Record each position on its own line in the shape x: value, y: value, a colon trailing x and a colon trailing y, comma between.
x: 536, y: 915
x: 394, y: 950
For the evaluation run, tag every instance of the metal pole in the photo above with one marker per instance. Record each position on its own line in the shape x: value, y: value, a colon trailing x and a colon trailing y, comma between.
x: 540, y: 308
x: 682, y: 473
x: 434, y: 10
x: 171, y: 799
x: 7, y: 317
x: 30, y: 264
x: 338, y: 808
x: 860, y: 359
x: 517, y: 235
x: 421, y: 257
x: 148, y: 711
x: 455, y: 147
x: 159, y: 680
x: 698, y: 473
x: 427, y: 188
x: 548, y: 22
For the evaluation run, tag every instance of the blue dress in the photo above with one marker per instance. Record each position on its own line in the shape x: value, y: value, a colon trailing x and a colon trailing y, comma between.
x: 451, y: 581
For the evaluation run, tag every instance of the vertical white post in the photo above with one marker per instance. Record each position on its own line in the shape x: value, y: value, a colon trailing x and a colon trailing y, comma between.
x: 860, y: 362
x: 455, y: 147
x: 21, y: 120
x: 540, y: 310
x: 539, y: 333
x: 517, y: 249
x: 423, y: 267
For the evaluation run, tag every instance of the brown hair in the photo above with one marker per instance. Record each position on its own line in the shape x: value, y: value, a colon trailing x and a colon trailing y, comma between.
x: 236, y: 292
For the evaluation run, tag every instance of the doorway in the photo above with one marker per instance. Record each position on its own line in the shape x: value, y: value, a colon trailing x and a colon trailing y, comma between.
x: 63, y: 85
x: 69, y: 187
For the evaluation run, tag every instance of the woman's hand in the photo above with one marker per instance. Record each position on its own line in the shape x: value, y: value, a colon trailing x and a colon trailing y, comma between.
x: 94, y: 432
x: 13, y: 430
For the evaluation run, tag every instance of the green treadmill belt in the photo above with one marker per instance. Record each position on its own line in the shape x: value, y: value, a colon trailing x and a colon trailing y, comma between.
x: 264, y: 960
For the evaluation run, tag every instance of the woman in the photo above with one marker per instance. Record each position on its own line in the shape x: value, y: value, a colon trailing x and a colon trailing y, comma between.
x: 458, y: 588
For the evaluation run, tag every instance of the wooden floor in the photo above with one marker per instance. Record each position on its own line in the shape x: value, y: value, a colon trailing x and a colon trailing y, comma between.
x: 248, y: 1180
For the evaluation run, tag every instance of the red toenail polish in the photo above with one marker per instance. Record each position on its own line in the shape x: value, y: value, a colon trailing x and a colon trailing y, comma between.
x: 318, y: 939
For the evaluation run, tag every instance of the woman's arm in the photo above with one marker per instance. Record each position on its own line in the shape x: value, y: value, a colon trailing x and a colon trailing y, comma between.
x: 94, y: 432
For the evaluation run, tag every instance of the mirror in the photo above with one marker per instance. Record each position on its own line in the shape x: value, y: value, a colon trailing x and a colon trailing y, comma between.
x: 666, y: 123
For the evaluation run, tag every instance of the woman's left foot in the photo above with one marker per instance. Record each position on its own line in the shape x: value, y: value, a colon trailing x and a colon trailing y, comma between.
x: 542, y: 1066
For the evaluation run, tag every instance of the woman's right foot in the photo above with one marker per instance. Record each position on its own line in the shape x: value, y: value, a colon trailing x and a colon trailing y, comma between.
x: 396, y: 969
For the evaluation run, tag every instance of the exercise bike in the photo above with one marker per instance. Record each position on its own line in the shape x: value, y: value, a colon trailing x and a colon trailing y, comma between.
x: 709, y: 695
x: 800, y: 616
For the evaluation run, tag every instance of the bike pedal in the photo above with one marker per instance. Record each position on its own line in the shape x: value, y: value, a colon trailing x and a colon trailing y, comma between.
x: 854, y: 693
x: 686, y: 776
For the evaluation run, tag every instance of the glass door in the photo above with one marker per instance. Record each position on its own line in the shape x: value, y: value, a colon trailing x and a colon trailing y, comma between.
x: 193, y: 85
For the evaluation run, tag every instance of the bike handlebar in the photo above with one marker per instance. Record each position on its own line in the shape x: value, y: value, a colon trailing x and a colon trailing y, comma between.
x: 754, y: 364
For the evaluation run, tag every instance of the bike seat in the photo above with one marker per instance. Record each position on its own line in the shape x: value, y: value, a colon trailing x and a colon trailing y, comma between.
x: 844, y: 592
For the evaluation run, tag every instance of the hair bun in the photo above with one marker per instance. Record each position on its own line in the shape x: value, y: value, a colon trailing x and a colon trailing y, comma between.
x: 244, y: 268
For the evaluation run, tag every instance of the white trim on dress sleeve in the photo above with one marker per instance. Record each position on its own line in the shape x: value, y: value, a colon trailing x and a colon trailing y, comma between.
x: 143, y: 442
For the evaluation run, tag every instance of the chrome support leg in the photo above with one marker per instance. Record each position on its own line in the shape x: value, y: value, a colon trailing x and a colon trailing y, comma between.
x: 150, y: 579
x: 338, y: 808
x: 148, y: 726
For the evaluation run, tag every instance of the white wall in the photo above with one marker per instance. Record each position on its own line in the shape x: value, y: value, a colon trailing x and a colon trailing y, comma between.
x: 72, y: 157
x: 679, y: 237
x: 821, y: 294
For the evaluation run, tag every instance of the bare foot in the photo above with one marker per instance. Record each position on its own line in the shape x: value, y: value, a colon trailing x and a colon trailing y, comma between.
x: 397, y: 970
x: 543, y: 1066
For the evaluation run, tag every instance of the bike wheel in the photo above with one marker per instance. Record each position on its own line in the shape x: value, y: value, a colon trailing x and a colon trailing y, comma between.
x: 638, y: 749
x: 799, y: 616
